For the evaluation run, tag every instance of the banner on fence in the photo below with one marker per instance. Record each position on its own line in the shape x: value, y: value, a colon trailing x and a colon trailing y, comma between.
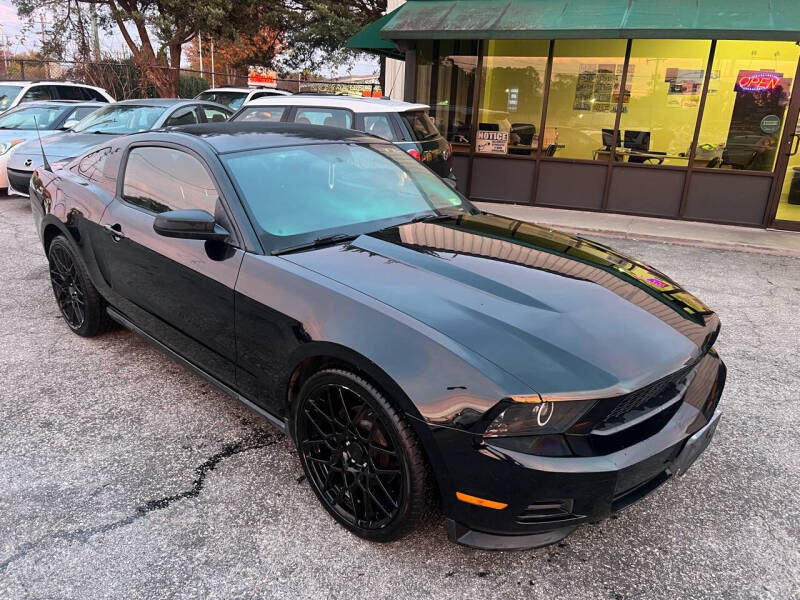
x: 258, y: 76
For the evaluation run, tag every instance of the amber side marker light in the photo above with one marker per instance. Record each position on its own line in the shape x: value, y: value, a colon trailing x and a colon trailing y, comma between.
x: 480, y: 501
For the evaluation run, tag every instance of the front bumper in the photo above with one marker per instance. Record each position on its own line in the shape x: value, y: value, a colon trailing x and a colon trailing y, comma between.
x: 549, y: 497
x: 19, y: 181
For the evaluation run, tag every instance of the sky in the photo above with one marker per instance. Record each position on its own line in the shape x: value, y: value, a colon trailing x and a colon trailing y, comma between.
x: 11, y: 33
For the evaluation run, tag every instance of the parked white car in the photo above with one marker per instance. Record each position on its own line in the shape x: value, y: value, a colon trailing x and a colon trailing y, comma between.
x: 234, y: 98
x: 14, y: 93
x: 404, y: 124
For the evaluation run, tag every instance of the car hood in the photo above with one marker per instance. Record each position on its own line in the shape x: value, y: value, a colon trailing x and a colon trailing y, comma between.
x: 7, y: 135
x: 560, y: 313
x: 65, y: 144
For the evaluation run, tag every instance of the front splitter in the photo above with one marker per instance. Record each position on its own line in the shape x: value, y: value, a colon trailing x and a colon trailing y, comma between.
x: 465, y: 536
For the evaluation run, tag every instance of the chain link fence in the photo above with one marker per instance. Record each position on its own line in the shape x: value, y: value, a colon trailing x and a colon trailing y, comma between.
x: 124, y: 80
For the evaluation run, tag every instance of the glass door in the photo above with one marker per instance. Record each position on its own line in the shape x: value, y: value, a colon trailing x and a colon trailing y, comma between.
x: 789, y: 198
x: 786, y: 195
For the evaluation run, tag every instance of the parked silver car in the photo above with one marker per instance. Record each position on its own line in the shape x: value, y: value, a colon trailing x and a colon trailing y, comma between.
x: 120, y: 118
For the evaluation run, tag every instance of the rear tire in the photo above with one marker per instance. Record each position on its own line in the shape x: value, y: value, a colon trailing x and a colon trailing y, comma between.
x: 81, y: 305
x: 361, y: 457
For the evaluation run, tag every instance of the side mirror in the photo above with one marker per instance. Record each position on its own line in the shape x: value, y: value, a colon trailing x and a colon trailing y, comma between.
x: 189, y: 225
x: 70, y: 123
x: 451, y: 182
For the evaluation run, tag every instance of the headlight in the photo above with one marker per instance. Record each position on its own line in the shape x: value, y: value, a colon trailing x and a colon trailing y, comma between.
x: 9, y: 145
x: 535, y: 416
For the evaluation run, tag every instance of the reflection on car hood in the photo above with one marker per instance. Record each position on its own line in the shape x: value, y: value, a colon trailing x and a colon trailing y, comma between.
x: 560, y: 313
x: 7, y: 135
x: 62, y: 145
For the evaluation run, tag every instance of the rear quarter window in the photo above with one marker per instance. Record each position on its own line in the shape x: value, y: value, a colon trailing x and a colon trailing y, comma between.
x: 261, y: 114
x: 420, y: 125
x: 379, y: 125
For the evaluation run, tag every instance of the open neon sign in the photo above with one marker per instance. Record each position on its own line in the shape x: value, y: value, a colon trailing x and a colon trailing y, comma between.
x: 758, y: 82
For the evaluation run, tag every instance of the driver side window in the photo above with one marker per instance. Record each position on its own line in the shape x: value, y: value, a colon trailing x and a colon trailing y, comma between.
x: 160, y: 179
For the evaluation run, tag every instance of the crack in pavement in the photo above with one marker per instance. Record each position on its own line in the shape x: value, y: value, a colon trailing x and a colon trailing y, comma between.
x: 255, y: 442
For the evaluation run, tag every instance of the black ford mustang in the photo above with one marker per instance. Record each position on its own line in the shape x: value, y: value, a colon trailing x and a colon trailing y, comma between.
x: 415, y: 348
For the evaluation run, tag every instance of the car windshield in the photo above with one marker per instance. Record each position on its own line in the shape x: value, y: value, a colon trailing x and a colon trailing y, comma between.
x: 32, y: 116
x: 119, y: 120
x: 299, y: 193
x: 232, y: 100
x: 7, y: 95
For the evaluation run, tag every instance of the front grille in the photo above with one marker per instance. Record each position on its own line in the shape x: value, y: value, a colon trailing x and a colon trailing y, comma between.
x: 644, y: 396
x: 19, y: 180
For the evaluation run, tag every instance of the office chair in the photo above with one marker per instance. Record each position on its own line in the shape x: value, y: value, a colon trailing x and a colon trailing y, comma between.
x: 525, y: 131
x: 646, y: 159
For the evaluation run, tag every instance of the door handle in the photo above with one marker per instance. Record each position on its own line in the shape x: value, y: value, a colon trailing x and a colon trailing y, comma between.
x: 115, y: 230
x: 796, y: 140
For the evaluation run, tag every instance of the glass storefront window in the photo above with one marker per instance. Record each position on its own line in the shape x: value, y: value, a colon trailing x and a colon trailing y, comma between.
x: 746, y: 105
x: 512, y: 91
x: 665, y: 80
x: 584, y: 92
x: 450, y: 89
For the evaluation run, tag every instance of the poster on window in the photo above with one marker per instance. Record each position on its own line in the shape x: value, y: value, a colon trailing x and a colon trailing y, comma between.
x: 597, y: 87
x: 684, y: 81
x: 492, y: 142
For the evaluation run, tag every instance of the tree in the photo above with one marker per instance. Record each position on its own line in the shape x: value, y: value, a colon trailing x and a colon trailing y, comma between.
x: 231, y: 56
x: 317, y: 30
x: 154, y: 30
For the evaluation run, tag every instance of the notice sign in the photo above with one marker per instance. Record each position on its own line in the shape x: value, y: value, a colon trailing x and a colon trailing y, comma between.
x: 261, y: 77
x: 492, y: 142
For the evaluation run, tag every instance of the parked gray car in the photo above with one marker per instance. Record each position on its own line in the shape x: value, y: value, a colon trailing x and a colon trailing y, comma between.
x: 120, y: 118
x: 20, y: 125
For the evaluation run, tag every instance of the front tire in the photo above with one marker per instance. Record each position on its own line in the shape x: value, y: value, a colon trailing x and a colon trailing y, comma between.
x: 81, y: 305
x: 360, y: 456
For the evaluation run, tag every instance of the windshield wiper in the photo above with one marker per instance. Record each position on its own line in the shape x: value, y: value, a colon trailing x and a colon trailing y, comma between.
x: 427, y: 217
x: 317, y: 242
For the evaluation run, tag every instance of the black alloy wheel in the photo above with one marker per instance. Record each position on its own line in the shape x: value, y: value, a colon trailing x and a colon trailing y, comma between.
x: 361, y: 457
x: 80, y: 303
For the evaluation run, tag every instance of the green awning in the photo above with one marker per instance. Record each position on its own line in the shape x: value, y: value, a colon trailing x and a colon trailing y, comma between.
x: 560, y: 19
x: 369, y: 39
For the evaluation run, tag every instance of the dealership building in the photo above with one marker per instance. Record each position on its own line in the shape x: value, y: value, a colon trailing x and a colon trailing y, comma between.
x: 677, y: 109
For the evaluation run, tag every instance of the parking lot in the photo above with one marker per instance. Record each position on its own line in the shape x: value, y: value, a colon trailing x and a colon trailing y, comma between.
x: 122, y: 475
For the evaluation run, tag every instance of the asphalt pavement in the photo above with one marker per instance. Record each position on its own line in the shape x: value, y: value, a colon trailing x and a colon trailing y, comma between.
x: 122, y: 475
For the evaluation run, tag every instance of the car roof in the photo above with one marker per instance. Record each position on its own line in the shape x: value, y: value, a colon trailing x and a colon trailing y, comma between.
x: 357, y: 105
x: 234, y: 136
x: 164, y: 102
x: 47, y: 81
x: 60, y: 104
x: 246, y: 90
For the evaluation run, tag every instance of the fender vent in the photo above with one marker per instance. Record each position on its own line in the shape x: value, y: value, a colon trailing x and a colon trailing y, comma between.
x: 547, y: 510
